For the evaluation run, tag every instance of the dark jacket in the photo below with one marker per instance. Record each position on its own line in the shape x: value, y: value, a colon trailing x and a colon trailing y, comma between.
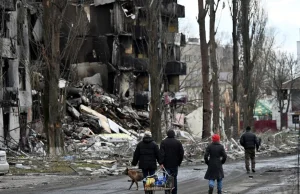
x: 171, y: 151
x: 249, y: 140
x: 215, y: 156
x: 146, y: 153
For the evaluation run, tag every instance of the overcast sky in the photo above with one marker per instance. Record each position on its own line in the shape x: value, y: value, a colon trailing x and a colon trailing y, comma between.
x: 284, y: 16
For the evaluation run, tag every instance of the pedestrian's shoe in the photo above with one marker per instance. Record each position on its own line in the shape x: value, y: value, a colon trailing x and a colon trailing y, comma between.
x: 211, y: 190
x: 219, y: 191
x: 253, y: 170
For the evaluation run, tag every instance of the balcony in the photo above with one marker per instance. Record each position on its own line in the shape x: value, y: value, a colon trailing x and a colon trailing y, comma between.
x: 135, y: 64
x: 173, y: 10
x: 175, y: 68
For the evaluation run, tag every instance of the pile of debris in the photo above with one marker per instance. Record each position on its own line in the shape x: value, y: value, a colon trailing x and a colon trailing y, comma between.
x: 272, y: 144
x: 98, y: 124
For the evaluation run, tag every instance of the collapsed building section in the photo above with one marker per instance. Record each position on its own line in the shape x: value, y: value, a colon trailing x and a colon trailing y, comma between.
x: 116, y: 44
x: 15, y: 88
x: 103, y: 43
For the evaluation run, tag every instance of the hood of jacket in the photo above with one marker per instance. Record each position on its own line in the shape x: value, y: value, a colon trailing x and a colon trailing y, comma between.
x: 147, y: 139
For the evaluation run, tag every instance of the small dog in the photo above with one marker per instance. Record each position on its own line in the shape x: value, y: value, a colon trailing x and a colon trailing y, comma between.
x: 135, y: 175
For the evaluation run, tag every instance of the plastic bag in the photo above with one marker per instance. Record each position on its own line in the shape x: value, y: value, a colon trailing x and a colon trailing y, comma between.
x: 161, y: 181
x: 150, y: 182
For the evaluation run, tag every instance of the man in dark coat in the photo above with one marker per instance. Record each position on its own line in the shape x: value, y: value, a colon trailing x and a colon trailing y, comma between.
x: 249, y: 141
x: 171, y: 156
x: 147, y: 154
x: 215, y: 156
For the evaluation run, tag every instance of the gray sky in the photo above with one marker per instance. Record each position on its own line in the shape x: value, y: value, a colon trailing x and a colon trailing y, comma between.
x: 284, y: 16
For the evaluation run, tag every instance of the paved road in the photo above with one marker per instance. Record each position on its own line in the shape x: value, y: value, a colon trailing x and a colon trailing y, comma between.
x: 271, y: 175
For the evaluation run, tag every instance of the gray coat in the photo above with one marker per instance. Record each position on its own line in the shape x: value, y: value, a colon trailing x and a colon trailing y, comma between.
x: 215, y: 157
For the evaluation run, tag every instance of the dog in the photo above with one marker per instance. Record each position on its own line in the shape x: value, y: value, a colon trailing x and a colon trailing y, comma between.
x: 136, y: 175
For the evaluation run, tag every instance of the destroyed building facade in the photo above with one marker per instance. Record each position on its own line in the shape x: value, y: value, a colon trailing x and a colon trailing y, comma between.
x: 15, y: 87
x: 110, y: 45
x: 116, y: 47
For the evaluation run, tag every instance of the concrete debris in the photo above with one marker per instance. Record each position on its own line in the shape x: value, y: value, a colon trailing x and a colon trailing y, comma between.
x: 102, y: 132
x: 94, y: 80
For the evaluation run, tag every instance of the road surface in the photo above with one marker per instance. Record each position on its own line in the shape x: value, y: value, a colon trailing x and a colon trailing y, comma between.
x: 274, y: 175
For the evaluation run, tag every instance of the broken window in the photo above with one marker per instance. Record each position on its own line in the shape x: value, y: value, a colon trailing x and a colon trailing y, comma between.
x: 5, y: 73
x: 126, y: 42
x: 142, y: 83
x: 173, y: 83
x: 141, y: 49
x: 4, y: 17
x: 22, y: 78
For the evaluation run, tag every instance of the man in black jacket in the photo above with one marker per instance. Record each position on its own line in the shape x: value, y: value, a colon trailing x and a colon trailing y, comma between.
x: 147, y: 154
x: 171, y: 156
x: 249, y: 141
x: 215, y: 156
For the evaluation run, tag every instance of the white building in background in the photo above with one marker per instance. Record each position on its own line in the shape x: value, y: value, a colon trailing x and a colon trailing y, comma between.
x: 192, y: 81
x: 298, y: 48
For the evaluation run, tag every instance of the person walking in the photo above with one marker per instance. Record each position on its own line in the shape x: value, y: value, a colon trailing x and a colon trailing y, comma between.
x: 215, y: 156
x: 147, y: 155
x: 250, y: 142
x: 171, y: 156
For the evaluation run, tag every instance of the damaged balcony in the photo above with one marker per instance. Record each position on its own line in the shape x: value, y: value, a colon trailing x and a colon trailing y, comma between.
x: 173, y: 10
x: 135, y: 64
x: 175, y: 68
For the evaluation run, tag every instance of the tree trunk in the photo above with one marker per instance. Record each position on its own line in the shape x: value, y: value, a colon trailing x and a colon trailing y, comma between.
x: 155, y: 68
x: 214, y: 65
x: 205, y: 71
x: 51, y: 54
x: 235, y: 70
x: 248, y: 67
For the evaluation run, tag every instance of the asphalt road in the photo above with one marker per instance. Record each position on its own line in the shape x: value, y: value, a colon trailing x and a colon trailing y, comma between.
x: 274, y: 175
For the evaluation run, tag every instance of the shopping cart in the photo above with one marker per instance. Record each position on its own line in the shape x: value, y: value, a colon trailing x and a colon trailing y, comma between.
x: 164, y: 183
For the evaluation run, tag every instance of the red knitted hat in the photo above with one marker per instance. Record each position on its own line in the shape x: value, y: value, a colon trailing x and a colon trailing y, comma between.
x: 215, y: 138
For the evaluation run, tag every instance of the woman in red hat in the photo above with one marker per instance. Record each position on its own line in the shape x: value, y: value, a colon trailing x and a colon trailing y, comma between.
x: 215, y: 156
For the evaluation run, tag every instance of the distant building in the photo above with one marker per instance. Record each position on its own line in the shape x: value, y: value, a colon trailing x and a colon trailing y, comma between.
x: 192, y: 81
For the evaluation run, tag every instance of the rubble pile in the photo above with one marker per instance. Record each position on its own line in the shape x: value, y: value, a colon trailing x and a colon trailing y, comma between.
x: 272, y: 144
x: 100, y: 125
x: 280, y: 142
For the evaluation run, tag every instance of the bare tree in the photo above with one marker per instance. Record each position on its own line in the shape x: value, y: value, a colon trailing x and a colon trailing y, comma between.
x: 214, y: 64
x: 235, y: 68
x: 203, y: 9
x: 283, y: 68
x: 254, y: 20
x: 155, y: 66
x: 52, y: 54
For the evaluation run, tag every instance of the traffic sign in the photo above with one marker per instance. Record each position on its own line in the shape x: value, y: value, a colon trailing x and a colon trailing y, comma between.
x: 295, y: 119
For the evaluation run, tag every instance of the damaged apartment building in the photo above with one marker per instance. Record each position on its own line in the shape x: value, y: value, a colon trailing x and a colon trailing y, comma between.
x: 110, y: 40
x: 15, y: 95
x: 116, y: 47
